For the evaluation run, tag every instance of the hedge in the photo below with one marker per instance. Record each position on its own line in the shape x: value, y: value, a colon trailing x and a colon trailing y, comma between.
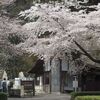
x: 87, y: 98
x: 3, y: 96
x: 84, y: 93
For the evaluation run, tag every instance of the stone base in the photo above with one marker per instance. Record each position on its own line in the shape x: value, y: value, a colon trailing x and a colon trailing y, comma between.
x: 39, y: 90
x: 56, y: 93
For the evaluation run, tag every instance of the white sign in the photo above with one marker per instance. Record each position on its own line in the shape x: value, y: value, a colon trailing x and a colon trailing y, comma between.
x: 75, y: 84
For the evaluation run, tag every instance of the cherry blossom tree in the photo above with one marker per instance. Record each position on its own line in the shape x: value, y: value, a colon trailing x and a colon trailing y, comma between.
x: 8, y: 39
x: 53, y: 31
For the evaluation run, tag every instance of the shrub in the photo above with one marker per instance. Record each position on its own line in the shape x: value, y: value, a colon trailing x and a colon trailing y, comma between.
x: 84, y: 93
x: 87, y: 98
x: 3, y: 96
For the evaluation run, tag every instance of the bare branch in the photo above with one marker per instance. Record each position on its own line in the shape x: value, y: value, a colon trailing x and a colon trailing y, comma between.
x: 87, y: 54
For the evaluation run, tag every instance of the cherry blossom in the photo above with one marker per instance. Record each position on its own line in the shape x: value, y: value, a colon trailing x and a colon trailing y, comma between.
x: 51, y: 31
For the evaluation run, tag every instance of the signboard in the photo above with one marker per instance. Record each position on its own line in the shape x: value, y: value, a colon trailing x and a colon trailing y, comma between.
x: 75, y: 84
x: 28, y: 86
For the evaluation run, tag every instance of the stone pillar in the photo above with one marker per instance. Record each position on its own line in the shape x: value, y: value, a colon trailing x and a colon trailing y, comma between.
x: 55, y: 76
x: 41, y: 83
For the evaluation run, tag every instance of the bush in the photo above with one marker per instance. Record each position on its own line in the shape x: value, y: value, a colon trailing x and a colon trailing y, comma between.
x: 87, y: 98
x: 86, y: 93
x: 3, y: 96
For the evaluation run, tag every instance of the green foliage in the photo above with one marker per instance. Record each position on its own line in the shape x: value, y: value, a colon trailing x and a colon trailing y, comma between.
x: 17, y: 64
x: 3, y: 96
x: 14, y: 39
x: 17, y: 6
x: 87, y: 98
x: 84, y: 93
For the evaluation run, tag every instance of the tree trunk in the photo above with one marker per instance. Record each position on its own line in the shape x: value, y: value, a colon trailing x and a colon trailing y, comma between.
x: 87, y: 54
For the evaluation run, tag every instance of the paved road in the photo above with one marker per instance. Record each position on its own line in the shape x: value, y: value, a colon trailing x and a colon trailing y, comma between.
x: 46, y: 97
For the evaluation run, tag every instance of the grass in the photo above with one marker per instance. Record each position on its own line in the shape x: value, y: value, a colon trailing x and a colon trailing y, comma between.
x: 84, y: 93
x: 87, y: 97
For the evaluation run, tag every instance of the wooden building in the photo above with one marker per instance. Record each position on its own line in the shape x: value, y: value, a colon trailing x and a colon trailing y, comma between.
x: 52, y: 76
x: 90, y: 80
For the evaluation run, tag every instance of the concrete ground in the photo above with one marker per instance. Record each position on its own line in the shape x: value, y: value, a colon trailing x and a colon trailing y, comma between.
x: 46, y: 97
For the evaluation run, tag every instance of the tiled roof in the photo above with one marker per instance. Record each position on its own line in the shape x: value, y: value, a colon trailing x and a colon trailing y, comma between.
x: 37, y: 67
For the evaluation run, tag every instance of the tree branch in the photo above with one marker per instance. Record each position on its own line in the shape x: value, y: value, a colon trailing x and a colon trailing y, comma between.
x: 86, y: 53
